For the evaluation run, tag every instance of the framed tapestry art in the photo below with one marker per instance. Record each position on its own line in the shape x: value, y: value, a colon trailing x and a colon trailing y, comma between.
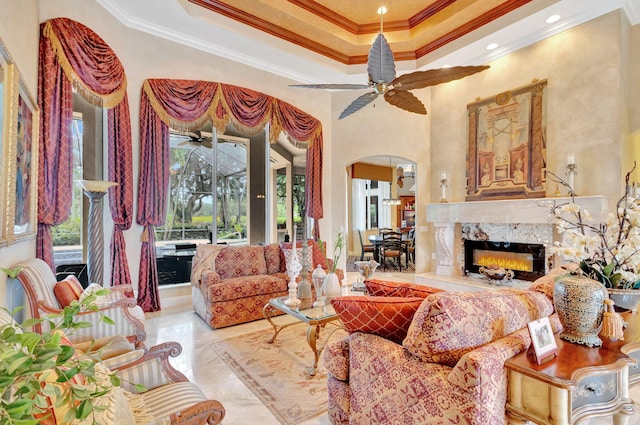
x: 22, y: 164
x: 8, y: 83
x: 507, y: 145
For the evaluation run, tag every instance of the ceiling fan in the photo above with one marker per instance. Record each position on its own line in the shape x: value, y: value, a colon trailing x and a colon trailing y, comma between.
x: 197, y: 139
x: 383, y: 81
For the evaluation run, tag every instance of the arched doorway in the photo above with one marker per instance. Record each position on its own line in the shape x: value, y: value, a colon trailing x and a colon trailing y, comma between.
x: 381, y: 191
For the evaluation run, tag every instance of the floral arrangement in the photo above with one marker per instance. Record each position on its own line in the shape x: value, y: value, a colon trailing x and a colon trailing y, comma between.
x: 608, y: 251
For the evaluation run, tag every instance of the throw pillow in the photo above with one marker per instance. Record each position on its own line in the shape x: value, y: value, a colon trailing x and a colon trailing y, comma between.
x: 388, y: 317
x: 385, y: 288
x: 101, y: 300
x: 288, y: 255
x: 109, y: 346
x: 67, y: 290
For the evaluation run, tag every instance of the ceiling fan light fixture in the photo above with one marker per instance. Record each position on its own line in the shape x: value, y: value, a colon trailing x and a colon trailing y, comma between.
x: 395, y: 90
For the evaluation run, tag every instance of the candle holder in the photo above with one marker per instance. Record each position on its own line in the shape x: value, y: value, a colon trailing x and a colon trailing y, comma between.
x: 571, y: 174
x: 293, y: 270
x: 443, y: 189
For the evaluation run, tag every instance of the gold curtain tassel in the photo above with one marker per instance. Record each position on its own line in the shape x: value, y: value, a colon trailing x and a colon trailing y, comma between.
x: 612, y: 323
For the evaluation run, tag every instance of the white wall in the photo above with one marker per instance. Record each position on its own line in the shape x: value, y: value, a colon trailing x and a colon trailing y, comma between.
x: 585, y: 108
x: 19, y: 31
x: 379, y: 129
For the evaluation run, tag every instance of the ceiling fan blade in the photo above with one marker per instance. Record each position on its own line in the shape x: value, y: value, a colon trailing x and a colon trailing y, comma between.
x: 358, y: 104
x: 380, y: 64
x: 422, y: 79
x: 332, y: 86
x: 405, y: 100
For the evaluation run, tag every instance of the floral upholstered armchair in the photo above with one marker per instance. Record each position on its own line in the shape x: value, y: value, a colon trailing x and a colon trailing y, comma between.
x: 448, y: 369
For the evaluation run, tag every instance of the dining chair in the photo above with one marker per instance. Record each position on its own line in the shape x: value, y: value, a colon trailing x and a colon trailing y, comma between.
x: 392, y: 247
x: 411, y: 247
x: 384, y: 230
x: 368, y: 248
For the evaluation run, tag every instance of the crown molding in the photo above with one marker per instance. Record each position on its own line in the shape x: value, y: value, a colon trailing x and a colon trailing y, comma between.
x: 632, y: 9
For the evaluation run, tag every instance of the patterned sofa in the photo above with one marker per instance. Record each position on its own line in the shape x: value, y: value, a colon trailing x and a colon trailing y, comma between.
x: 449, y: 369
x: 231, y: 284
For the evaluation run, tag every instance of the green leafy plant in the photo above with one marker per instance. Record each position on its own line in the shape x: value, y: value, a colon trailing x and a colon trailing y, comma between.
x: 338, y: 246
x: 36, y: 368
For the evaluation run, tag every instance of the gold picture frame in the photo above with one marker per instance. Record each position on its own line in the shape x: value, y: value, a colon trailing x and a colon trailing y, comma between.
x: 507, y: 145
x: 7, y: 95
x: 22, y: 163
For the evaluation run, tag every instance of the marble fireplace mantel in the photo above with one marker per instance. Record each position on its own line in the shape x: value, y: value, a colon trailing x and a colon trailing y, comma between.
x: 509, y: 212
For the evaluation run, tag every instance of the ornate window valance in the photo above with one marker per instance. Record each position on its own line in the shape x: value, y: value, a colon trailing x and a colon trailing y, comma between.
x: 72, y: 55
x: 186, y: 105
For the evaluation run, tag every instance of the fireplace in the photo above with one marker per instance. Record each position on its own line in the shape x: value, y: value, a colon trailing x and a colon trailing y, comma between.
x: 527, y: 260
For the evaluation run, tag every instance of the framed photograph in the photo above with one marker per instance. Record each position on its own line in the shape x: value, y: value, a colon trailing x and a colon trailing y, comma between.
x: 507, y: 145
x: 23, y: 170
x: 7, y: 94
x: 542, y: 339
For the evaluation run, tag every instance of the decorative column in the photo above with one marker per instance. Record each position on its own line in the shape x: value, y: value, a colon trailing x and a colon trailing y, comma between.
x: 95, y: 191
x: 444, y: 248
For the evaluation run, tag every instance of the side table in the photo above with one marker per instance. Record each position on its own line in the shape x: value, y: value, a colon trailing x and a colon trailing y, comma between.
x: 580, y: 382
x: 316, y: 319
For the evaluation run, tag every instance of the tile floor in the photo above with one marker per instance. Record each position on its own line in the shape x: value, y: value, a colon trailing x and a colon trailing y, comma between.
x: 203, y: 367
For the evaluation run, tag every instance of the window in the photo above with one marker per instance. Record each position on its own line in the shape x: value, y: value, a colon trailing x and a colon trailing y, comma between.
x: 368, y: 211
x: 70, y: 237
x: 67, y: 237
x: 191, y: 209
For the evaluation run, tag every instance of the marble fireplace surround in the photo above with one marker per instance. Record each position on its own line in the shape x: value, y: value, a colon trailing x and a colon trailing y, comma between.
x: 517, y: 220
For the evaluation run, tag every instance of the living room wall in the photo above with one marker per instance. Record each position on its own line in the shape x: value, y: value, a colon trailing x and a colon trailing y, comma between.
x: 586, y: 105
x: 19, y: 31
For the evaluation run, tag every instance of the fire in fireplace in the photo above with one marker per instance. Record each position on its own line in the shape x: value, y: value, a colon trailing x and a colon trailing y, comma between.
x: 526, y: 260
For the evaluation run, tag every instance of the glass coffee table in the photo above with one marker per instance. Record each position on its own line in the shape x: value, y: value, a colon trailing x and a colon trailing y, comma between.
x: 316, y: 318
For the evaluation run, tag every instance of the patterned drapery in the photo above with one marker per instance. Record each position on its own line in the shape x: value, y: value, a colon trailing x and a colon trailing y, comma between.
x: 73, y: 55
x: 187, y: 105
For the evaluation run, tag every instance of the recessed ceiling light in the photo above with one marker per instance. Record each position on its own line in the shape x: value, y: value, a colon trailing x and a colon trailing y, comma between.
x: 553, y: 18
x: 492, y: 46
x: 382, y: 10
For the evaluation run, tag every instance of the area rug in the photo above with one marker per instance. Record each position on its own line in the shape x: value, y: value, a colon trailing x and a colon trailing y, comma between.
x: 278, y: 373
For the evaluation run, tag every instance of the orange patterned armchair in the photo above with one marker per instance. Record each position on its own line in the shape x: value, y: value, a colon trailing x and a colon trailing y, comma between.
x: 449, y: 369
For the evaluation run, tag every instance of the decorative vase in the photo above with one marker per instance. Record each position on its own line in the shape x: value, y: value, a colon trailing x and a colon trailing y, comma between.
x: 317, y: 277
x: 331, y: 287
x: 579, y: 302
x: 366, y: 269
x: 627, y: 299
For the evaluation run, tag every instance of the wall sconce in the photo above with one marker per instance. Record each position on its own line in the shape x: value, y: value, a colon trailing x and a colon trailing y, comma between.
x: 571, y: 173
x: 443, y: 187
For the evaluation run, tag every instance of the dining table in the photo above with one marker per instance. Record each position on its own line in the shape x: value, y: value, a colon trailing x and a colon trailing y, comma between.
x: 376, y: 241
